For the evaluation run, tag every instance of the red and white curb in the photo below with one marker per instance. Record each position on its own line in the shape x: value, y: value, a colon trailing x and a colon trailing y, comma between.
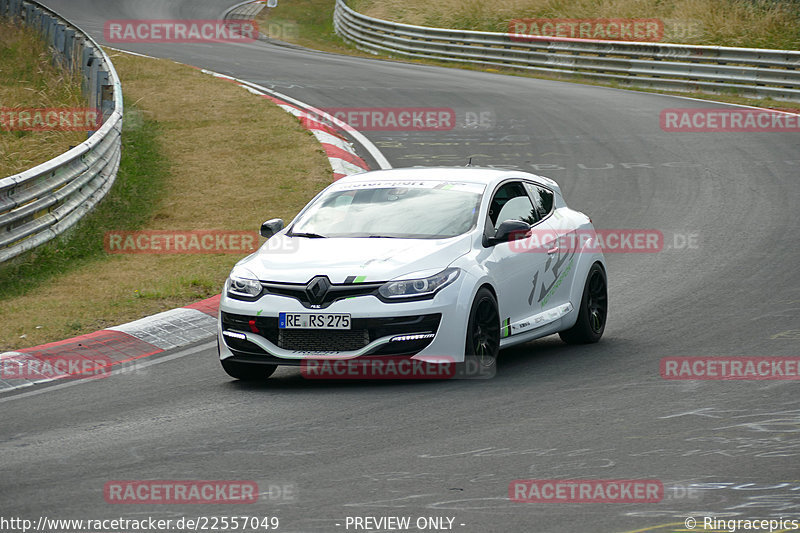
x: 110, y: 348
x: 123, y: 345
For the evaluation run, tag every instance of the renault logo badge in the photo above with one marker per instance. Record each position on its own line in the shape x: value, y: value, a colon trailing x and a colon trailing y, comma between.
x: 317, y: 289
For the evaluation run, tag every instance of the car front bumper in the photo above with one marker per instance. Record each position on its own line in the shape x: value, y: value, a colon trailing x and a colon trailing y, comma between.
x: 424, y: 329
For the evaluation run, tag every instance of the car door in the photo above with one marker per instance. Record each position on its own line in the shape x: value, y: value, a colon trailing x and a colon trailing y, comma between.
x: 552, y: 284
x: 514, y: 266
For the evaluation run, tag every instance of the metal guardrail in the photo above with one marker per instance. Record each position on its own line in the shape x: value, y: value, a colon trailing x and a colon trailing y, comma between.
x: 247, y: 10
x: 748, y: 72
x: 45, y: 201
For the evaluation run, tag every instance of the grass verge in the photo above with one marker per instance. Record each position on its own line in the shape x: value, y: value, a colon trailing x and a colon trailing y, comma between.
x: 199, y: 153
x: 137, y: 191
x: 309, y: 23
x: 306, y: 23
x: 29, y: 79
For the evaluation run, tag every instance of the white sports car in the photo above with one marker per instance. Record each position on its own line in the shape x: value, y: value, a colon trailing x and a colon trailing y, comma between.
x: 432, y: 264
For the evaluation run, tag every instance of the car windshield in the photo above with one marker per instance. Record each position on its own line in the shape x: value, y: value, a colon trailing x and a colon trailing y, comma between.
x: 410, y: 210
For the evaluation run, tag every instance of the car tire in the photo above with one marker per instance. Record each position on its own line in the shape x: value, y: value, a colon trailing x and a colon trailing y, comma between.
x: 483, y: 330
x: 593, y: 310
x: 248, y: 371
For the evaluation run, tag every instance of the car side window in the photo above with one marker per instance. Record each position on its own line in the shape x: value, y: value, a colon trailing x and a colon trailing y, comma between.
x: 511, y: 202
x: 542, y: 199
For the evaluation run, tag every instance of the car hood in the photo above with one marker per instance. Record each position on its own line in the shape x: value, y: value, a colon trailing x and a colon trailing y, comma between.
x: 298, y: 259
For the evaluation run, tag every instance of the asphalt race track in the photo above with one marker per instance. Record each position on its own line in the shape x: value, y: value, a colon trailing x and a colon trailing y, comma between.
x: 325, y: 451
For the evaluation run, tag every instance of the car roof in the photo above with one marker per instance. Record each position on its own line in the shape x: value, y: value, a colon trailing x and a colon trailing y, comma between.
x: 486, y: 176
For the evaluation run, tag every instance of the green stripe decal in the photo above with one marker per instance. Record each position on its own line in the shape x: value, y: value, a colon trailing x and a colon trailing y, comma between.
x: 506, y: 331
x: 360, y: 279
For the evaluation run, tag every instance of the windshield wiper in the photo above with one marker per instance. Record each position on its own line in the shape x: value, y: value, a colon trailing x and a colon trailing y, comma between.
x: 308, y: 235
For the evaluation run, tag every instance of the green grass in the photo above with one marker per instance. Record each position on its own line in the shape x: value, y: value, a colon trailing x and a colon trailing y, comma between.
x: 128, y: 205
x: 304, y: 22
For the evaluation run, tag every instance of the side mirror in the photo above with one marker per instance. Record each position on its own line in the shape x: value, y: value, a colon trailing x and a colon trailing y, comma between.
x: 271, y: 227
x: 510, y: 230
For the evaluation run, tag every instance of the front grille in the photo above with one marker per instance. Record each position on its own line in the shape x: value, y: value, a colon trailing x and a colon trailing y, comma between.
x: 334, y: 292
x: 364, y: 331
x: 323, y: 340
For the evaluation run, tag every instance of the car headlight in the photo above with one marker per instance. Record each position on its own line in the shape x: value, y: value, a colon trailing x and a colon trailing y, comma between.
x: 420, y: 287
x: 243, y: 284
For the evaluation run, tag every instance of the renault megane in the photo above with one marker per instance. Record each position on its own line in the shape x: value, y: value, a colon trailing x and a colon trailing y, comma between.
x: 423, y: 263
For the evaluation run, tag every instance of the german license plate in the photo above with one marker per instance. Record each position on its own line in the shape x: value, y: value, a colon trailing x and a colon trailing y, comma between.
x: 314, y: 321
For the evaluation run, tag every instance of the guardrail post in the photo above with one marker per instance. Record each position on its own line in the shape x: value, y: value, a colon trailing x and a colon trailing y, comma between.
x: 94, y: 68
x: 41, y: 24
x: 29, y: 14
x: 58, y: 44
x: 47, y: 28
x: 68, y: 49
x: 39, y: 21
x: 52, y: 26
x: 105, y: 95
x: 86, y: 67
x: 77, y: 55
